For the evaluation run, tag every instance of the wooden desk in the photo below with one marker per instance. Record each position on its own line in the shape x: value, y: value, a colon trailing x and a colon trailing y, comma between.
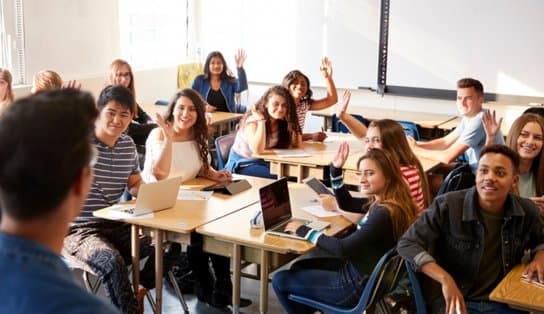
x: 320, y: 157
x: 233, y: 236
x: 425, y: 120
x: 177, y: 223
x: 517, y: 293
x: 220, y: 120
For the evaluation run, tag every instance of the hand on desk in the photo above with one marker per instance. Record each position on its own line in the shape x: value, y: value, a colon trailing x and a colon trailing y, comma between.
x: 536, y: 266
x: 292, y: 226
x: 328, y: 202
x: 319, y: 136
x: 222, y: 176
x: 210, y: 108
x: 341, y: 155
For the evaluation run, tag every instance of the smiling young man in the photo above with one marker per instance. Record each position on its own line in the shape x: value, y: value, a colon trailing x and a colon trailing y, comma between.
x: 100, y: 244
x: 469, y: 136
x: 460, y: 239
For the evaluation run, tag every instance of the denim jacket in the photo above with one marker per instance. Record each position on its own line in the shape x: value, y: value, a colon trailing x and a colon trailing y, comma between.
x: 451, y: 233
x: 228, y: 89
x: 36, y: 280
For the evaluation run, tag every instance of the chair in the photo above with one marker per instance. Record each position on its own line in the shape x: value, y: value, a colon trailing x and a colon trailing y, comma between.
x: 383, y: 279
x: 421, y: 306
x: 458, y: 179
x: 222, y: 149
x: 410, y: 128
x: 338, y: 126
x: 93, y: 282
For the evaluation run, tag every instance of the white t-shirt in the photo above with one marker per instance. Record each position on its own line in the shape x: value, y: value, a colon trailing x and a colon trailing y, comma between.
x: 186, y: 160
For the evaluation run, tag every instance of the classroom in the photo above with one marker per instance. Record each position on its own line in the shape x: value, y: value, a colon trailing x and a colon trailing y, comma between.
x: 448, y: 90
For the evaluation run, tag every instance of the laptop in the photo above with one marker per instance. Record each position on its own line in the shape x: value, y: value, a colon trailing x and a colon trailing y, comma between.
x: 276, y: 210
x: 152, y: 197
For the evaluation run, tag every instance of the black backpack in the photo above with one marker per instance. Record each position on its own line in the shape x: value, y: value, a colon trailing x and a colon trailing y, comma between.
x: 459, y: 178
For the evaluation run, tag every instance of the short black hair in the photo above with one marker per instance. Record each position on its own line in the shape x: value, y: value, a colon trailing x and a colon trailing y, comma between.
x: 46, y: 144
x: 468, y: 82
x: 503, y: 150
x: 118, y: 93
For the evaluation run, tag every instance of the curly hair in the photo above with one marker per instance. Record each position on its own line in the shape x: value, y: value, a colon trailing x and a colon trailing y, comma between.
x: 289, y: 128
x: 200, y: 128
x: 46, y: 80
x: 226, y: 74
x: 395, y: 195
x: 292, y: 77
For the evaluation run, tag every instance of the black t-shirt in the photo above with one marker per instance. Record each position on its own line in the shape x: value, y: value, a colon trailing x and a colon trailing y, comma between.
x: 216, y: 99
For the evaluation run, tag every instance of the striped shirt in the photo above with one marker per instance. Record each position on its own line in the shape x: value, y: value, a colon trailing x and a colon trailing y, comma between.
x: 412, y: 178
x: 113, y: 168
x: 302, y: 109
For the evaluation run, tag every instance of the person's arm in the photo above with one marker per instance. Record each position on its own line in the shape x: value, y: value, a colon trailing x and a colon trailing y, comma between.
x: 354, y: 126
x: 453, y: 297
x: 161, y: 159
x: 445, y: 149
x: 240, y: 57
x: 328, y: 202
x: 133, y: 183
x: 221, y: 176
x: 255, y: 131
x: 332, y: 96
x: 297, y: 140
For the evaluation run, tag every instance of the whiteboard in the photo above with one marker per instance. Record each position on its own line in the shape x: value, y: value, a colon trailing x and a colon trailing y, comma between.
x: 283, y: 35
x: 433, y: 43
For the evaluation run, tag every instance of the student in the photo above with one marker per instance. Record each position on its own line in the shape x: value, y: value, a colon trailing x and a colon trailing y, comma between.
x: 271, y: 124
x: 104, y: 245
x: 46, y: 80
x: 217, y: 85
x: 141, y: 124
x: 469, y: 240
x: 526, y: 137
x: 6, y: 92
x: 41, y: 191
x: 383, y: 134
x: 298, y: 85
x: 340, y: 279
x: 469, y: 135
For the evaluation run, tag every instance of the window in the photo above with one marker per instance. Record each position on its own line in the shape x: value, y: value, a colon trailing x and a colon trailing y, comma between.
x: 12, y: 49
x: 154, y: 33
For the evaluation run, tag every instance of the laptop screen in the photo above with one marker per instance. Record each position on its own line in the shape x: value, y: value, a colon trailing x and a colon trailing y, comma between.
x: 275, y: 204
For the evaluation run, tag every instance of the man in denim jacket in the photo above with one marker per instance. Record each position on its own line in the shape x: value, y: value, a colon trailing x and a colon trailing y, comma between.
x: 469, y: 240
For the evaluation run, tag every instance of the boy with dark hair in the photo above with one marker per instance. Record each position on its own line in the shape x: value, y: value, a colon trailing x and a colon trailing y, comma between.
x: 100, y: 244
x: 468, y: 240
x: 45, y: 174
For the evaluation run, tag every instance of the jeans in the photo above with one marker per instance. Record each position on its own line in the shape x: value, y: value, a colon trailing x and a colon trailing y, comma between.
x: 327, y: 279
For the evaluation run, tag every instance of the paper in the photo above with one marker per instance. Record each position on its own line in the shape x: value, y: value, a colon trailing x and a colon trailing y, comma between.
x: 319, y: 211
x: 191, y: 195
x: 291, y: 153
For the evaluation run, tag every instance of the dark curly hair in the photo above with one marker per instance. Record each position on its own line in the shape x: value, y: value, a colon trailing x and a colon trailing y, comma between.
x: 294, y: 75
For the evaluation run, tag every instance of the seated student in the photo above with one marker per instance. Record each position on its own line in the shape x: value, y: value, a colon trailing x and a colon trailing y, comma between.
x: 141, y: 124
x: 48, y: 80
x: 217, y: 85
x: 6, y: 92
x: 526, y: 137
x: 272, y: 123
x: 340, y: 279
x: 383, y: 134
x: 104, y: 245
x: 298, y: 85
x: 468, y: 137
x: 179, y: 148
x: 457, y: 240
x: 41, y: 191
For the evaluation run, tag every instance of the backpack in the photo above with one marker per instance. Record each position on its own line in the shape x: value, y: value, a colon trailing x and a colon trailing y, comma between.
x: 461, y: 177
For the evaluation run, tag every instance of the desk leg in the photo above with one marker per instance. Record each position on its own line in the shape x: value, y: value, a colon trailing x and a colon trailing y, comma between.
x: 263, y: 300
x: 300, y: 171
x: 280, y: 170
x: 158, y: 270
x: 135, y: 247
x: 236, y: 273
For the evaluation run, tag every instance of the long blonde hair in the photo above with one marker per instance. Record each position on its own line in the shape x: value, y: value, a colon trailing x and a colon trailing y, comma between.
x: 395, y: 195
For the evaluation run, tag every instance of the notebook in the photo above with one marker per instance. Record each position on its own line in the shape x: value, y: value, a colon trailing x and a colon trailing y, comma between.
x: 152, y: 197
x: 276, y: 210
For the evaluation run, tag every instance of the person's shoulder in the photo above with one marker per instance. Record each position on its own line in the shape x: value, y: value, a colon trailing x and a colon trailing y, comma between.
x: 525, y: 204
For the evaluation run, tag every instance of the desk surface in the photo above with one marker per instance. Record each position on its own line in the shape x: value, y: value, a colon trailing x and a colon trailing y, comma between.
x: 517, y: 293
x: 426, y: 120
x: 236, y: 228
x: 187, y: 215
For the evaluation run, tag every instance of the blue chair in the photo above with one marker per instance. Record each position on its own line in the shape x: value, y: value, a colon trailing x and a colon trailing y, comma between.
x: 162, y: 102
x: 222, y: 149
x: 383, y: 279
x: 338, y: 126
x: 410, y: 128
x: 421, y: 306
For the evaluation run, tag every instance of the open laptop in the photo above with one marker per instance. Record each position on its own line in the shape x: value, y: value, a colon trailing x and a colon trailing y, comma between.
x: 276, y: 210
x: 152, y: 197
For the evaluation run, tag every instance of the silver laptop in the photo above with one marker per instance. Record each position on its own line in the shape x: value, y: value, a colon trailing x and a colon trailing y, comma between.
x: 276, y: 210
x: 152, y: 197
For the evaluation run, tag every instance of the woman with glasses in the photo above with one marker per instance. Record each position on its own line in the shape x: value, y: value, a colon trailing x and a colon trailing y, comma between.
x: 385, y: 134
x: 525, y: 137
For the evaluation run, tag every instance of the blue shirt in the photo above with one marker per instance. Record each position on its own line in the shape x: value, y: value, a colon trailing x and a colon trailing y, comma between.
x: 33, y: 279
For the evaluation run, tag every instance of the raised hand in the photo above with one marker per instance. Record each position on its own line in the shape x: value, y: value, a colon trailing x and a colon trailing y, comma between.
x: 72, y: 84
x: 167, y: 128
x: 240, y: 57
x: 341, y: 155
x: 326, y: 67
x: 342, y: 107
x: 491, y: 126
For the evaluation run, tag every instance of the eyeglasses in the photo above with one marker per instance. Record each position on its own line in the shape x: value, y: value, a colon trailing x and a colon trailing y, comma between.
x: 374, y: 140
